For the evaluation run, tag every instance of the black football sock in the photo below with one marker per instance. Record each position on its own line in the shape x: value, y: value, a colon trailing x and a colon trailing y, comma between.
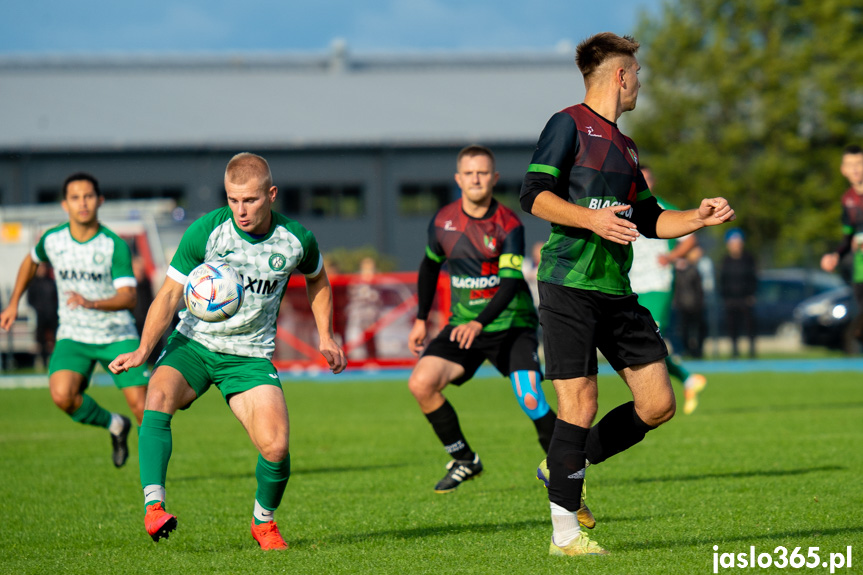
x: 444, y: 421
x: 566, y: 461
x: 545, y: 428
x: 617, y: 431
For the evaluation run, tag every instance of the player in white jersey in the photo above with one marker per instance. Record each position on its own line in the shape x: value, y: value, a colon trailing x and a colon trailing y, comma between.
x: 652, y: 278
x: 96, y: 290
x: 235, y: 355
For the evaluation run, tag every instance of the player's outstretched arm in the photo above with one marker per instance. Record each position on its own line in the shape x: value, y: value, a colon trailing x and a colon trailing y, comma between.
x: 125, y: 298
x: 159, y: 317
x: 711, y: 212
x: 603, y: 222
x: 320, y: 295
x: 25, y: 275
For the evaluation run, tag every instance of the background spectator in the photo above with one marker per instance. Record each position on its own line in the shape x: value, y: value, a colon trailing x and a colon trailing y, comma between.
x: 364, y: 307
x: 142, y: 305
x: 738, y: 282
x: 42, y: 297
x: 689, y: 304
x: 530, y: 267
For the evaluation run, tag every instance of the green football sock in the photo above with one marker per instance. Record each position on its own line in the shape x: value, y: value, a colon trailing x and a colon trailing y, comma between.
x: 675, y: 368
x: 154, y: 447
x: 272, y: 480
x: 91, y: 413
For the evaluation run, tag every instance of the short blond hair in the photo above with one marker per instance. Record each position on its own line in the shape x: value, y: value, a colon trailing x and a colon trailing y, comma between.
x: 246, y: 166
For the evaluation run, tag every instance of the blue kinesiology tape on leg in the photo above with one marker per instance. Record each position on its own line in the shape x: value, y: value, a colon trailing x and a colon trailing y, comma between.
x: 528, y: 390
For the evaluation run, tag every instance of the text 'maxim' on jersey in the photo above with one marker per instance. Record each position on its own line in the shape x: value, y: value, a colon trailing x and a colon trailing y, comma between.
x: 96, y: 269
x: 265, y: 265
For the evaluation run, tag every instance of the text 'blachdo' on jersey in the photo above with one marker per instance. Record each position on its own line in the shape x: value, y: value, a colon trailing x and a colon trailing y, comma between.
x: 600, y: 203
x: 80, y: 275
x: 483, y: 287
x: 259, y: 286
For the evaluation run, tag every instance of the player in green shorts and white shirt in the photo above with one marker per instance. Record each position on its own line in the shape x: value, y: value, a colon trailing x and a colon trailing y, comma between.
x: 652, y: 278
x: 97, y: 290
x: 264, y: 247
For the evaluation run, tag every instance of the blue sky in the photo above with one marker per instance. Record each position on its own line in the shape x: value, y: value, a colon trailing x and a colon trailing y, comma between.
x: 208, y: 26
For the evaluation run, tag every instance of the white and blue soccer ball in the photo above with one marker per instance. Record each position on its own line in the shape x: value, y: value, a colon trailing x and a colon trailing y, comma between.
x: 214, y: 292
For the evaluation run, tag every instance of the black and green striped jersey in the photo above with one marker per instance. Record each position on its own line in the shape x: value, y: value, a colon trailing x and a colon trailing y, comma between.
x: 479, y: 252
x: 586, y: 160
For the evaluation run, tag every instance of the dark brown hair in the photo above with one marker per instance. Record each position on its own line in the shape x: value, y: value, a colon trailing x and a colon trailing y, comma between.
x: 80, y: 177
x: 592, y: 52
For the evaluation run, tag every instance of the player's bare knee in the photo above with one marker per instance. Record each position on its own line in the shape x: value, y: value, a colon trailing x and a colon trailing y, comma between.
x: 276, y: 450
x: 158, y: 400
x: 422, y: 386
x: 663, y: 412
x: 64, y: 400
x: 668, y: 413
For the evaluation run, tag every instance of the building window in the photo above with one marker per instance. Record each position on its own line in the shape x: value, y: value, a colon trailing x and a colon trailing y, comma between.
x: 48, y: 196
x: 290, y: 198
x: 352, y: 205
x: 112, y: 194
x: 175, y: 193
x: 423, y: 199
x: 345, y: 201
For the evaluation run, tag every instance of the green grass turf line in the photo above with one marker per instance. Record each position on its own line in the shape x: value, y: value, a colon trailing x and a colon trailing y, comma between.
x: 766, y: 460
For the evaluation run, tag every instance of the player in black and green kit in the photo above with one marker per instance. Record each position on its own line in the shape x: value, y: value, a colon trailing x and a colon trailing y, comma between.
x: 493, y: 315
x: 585, y: 179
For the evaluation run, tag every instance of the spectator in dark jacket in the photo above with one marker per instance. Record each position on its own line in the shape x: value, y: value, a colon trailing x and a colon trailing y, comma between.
x: 42, y: 297
x: 688, y: 302
x: 738, y: 281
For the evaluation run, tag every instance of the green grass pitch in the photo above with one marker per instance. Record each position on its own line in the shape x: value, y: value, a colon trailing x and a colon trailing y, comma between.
x: 767, y: 460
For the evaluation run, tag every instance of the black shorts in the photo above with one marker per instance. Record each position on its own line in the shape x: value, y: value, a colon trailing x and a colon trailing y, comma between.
x: 577, y: 322
x: 508, y: 350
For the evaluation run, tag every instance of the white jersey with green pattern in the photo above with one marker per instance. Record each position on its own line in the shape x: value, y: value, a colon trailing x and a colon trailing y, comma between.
x: 96, y: 269
x: 647, y: 275
x: 265, y: 265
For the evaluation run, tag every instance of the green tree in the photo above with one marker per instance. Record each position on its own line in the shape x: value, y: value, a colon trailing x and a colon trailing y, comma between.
x: 754, y: 100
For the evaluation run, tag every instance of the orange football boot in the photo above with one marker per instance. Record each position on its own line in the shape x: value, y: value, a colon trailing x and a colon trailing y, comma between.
x: 268, y: 537
x: 159, y: 523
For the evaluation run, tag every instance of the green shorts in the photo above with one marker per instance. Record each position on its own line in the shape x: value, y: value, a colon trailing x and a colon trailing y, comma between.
x: 658, y: 304
x: 203, y: 368
x: 82, y: 357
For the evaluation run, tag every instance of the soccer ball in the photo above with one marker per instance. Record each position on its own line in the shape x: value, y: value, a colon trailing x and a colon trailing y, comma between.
x: 214, y: 292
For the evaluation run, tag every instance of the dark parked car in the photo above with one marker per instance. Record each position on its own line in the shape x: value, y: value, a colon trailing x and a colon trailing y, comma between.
x: 780, y: 291
x: 825, y: 319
